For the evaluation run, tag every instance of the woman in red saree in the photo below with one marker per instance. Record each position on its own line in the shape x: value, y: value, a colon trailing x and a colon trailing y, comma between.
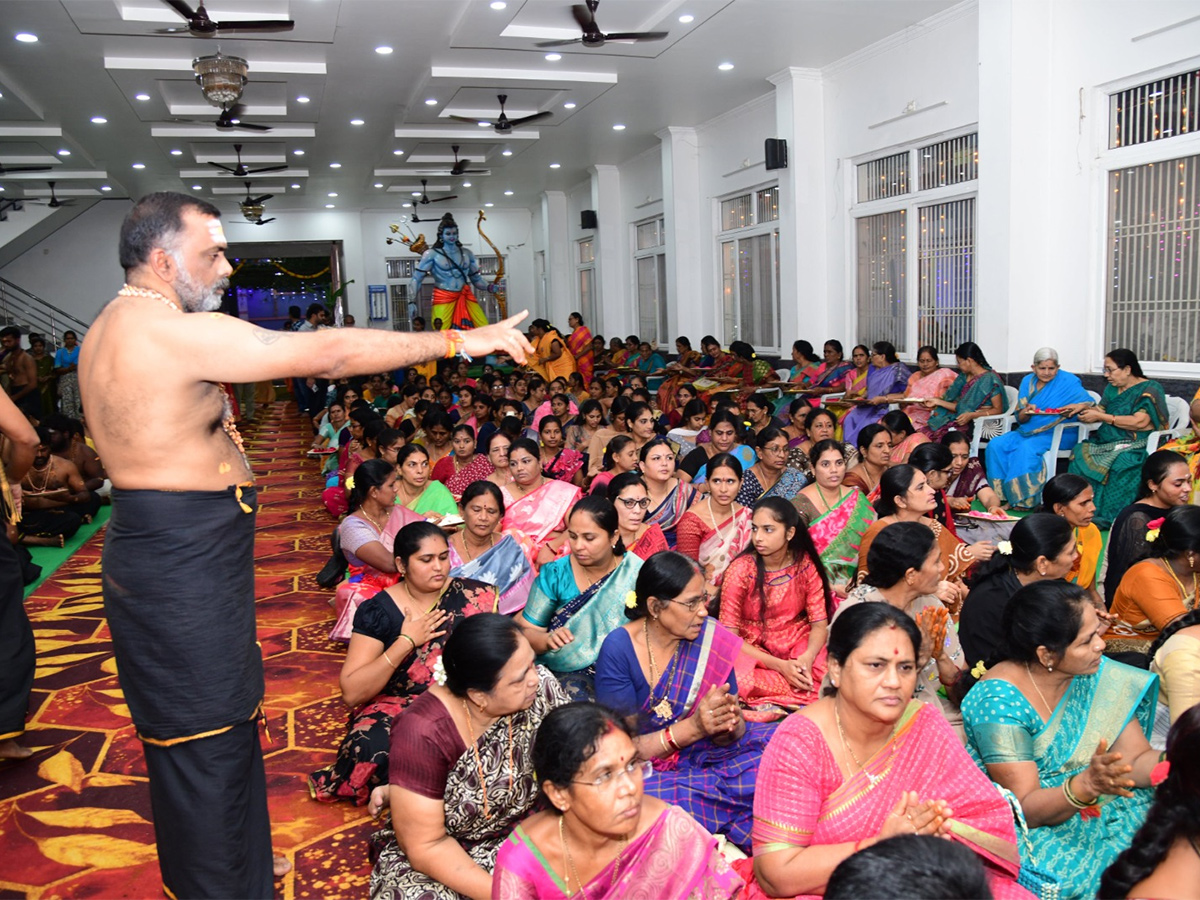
x: 776, y: 597
x: 717, y: 527
x: 579, y: 344
x: 868, y: 764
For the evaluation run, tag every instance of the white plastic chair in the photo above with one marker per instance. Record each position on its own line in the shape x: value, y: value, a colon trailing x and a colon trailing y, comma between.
x: 1178, y: 415
x: 1051, y: 457
x: 988, y: 427
x: 825, y: 398
x: 783, y: 374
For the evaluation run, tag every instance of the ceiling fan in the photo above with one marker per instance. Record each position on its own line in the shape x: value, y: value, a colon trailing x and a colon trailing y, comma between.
x: 593, y: 36
x: 13, y: 170
x: 426, y: 199
x: 200, y: 25
x: 460, y: 165
x: 252, y: 207
x: 504, y: 124
x: 53, y: 202
x: 231, y: 118
x: 241, y: 171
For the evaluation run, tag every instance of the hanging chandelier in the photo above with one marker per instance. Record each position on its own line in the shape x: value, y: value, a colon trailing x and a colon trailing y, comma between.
x: 221, y: 78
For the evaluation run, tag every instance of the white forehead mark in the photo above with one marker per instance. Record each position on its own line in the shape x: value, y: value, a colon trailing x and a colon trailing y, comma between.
x: 215, y: 230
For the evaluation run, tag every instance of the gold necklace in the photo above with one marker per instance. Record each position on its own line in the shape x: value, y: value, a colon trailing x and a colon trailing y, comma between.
x: 872, y: 778
x: 48, y: 469
x: 467, y: 549
x: 362, y: 511
x: 592, y: 583
x: 413, y: 600
x: 129, y: 290
x: 821, y: 494
x: 662, y: 709
x: 479, y: 762
x: 1042, y: 696
x: 1171, y: 569
x: 612, y: 881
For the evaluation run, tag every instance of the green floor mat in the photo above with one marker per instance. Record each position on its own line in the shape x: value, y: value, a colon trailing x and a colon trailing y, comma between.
x: 50, y: 558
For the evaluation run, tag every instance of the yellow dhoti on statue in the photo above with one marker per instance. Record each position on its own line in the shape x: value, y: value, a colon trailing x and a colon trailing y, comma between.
x: 458, y: 309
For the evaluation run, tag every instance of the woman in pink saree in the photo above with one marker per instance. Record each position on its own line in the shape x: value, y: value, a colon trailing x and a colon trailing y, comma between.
x: 930, y: 381
x: 868, y: 764
x: 602, y: 837
x: 536, y: 505
x: 717, y: 527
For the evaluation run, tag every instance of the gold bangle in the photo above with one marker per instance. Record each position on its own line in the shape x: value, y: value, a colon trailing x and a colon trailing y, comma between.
x: 411, y: 641
x: 662, y: 739
x: 389, y: 659
x: 1074, y: 800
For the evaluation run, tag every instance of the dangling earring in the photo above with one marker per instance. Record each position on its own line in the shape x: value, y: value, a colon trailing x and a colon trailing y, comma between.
x: 1049, y: 668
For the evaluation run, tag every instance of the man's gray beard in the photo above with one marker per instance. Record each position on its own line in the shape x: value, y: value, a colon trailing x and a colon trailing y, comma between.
x: 196, y: 297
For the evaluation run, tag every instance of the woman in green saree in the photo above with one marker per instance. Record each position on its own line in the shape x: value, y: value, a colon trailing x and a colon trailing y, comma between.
x: 1111, y: 459
x: 837, y: 516
x: 1066, y: 731
x: 976, y: 392
x: 416, y: 490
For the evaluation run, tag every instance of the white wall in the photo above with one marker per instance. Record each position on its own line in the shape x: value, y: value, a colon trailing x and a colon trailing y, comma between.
x: 76, y: 268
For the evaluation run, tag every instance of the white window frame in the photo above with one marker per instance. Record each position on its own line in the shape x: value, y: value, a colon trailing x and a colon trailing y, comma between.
x: 737, y: 234
x: 911, y: 203
x: 659, y: 254
x: 589, y: 309
x: 1109, y: 160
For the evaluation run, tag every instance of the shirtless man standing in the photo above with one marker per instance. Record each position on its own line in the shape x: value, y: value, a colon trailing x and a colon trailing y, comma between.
x: 178, y: 565
x: 22, y: 373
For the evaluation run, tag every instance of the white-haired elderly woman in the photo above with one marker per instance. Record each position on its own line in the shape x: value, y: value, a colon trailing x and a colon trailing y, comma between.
x: 1014, y: 460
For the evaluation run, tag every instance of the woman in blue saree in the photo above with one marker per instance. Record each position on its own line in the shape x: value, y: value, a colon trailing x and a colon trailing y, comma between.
x: 484, y: 551
x: 672, y: 669
x: 1066, y: 731
x: 1111, y: 459
x: 1014, y: 459
x: 887, y: 375
x: 976, y: 392
x: 579, y: 598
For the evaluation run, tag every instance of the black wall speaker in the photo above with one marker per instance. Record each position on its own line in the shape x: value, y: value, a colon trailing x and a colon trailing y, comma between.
x: 776, y: 151
x: 587, y: 219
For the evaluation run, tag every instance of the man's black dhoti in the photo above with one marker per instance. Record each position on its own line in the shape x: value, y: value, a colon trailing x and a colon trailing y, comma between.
x: 17, y: 656
x: 178, y: 572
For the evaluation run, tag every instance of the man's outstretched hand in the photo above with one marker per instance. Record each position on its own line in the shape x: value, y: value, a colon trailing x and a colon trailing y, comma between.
x: 502, y: 337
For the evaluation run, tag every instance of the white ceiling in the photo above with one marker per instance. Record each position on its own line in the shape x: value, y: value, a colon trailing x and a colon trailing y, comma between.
x: 93, y: 57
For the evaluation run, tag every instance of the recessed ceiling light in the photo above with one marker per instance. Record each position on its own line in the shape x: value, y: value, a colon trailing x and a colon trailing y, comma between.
x: 498, y: 4
x: 725, y: 67
x: 105, y: 187
x: 397, y: 153
x: 96, y: 120
x: 196, y: 187
x: 335, y: 165
x: 383, y: 50
x: 358, y: 122
x: 432, y: 101
x: 26, y: 38
x: 1, y: 93
x: 329, y: 206
x: 295, y: 187
x: 569, y: 105
x: 508, y: 193
x: 484, y: 124
x: 687, y: 19
x: 297, y: 153
x: 554, y: 165
x: 379, y: 184
x: 553, y: 57
x: 416, y: 193
x: 1, y: 189
x: 506, y: 153
x: 332, y: 193
x: 489, y: 204
x: 139, y: 165
x: 466, y: 184
x: 406, y: 205
x: 142, y: 97
x: 301, y: 99
x: 177, y: 153
x: 64, y: 152
x: 618, y: 127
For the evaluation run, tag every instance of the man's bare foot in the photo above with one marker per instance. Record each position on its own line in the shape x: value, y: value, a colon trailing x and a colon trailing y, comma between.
x: 10, y: 749
x: 283, y: 865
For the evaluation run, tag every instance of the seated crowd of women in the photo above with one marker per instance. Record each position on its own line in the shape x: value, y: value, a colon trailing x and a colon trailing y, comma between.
x: 590, y: 644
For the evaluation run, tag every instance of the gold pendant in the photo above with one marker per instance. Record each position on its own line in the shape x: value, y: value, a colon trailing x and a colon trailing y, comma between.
x: 663, y: 709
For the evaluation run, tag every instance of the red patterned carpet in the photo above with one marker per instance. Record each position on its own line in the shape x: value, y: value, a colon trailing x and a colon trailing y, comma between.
x: 75, y: 818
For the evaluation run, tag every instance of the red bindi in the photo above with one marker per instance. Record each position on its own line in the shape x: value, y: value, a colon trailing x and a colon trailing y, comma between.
x: 895, y: 652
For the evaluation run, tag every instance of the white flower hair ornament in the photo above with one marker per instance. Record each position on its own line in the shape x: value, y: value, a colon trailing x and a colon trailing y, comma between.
x: 1004, y: 548
x: 439, y: 673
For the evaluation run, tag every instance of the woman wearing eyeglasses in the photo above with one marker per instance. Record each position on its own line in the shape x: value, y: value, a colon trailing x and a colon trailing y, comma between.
x: 628, y: 493
x: 770, y: 476
x: 673, y: 668
x: 602, y: 837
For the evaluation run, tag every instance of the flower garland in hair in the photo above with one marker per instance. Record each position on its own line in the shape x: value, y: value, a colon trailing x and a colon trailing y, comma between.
x: 439, y: 673
x: 1004, y: 548
x: 1154, y: 526
x: 631, y: 600
x: 979, y: 670
x: 350, y: 483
